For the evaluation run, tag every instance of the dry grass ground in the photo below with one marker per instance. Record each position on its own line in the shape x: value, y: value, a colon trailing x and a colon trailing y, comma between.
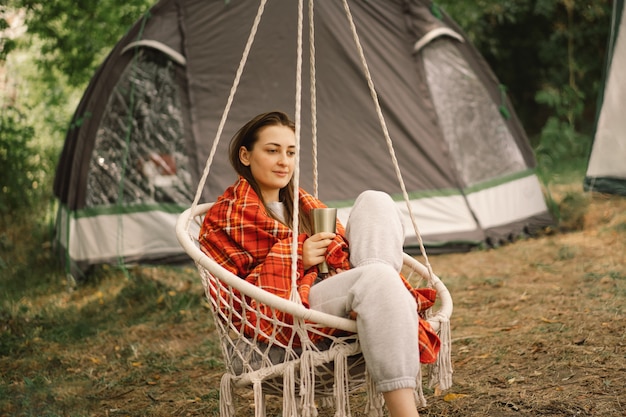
x: 539, y: 329
x: 540, y: 326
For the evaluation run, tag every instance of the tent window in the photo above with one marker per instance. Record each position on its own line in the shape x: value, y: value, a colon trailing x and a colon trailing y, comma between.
x: 139, y: 153
x: 479, y: 141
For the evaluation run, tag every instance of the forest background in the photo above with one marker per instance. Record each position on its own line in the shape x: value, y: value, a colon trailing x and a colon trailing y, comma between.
x: 55, y: 344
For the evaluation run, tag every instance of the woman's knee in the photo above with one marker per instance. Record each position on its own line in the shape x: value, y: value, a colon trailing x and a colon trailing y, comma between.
x: 375, y: 230
x: 372, y: 199
x: 382, y: 277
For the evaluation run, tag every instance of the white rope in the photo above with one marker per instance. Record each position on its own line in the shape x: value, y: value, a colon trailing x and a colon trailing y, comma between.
x: 419, y: 390
x: 295, y: 296
x: 313, y: 87
x: 383, y: 125
x: 307, y: 384
x: 340, y: 388
x: 227, y: 408
x: 290, y: 407
x: 259, y: 399
x: 375, y: 402
x: 441, y: 376
x: 231, y: 96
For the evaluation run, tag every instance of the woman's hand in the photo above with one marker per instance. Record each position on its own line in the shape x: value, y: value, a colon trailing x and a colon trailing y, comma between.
x: 314, y: 249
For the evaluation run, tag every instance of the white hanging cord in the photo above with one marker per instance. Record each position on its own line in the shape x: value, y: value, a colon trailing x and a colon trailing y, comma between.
x: 313, y: 98
x: 231, y: 96
x: 381, y: 118
x: 295, y: 296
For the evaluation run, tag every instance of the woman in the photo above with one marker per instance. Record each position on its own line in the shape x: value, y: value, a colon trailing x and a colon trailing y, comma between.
x: 248, y: 232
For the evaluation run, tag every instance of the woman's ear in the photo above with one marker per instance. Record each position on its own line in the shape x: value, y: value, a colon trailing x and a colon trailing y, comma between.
x: 244, y: 156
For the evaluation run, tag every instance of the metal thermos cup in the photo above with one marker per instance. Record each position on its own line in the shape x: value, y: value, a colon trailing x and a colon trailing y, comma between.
x: 324, y: 220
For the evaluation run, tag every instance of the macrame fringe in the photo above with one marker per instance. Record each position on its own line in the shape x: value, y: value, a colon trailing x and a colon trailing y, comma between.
x: 326, y: 402
x: 307, y: 385
x: 420, y: 399
x: 340, y: 389
x: 375, y: 403
x: 441, y: 375
x: 290, y: 405
x: 259, y: 399
x: 227, y: 408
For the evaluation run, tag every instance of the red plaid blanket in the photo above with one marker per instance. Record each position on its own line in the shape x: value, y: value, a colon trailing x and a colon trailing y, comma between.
x: 239, y: 234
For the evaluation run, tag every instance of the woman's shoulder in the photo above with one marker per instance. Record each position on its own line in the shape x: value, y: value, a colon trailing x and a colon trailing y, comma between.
x: 237, y: 191
x: 237, y: 198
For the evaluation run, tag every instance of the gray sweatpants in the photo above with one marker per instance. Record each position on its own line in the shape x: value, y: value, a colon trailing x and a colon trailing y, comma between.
x: 387, y: 319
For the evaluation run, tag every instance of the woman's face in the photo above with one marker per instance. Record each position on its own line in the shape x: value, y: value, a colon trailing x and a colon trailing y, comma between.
x: 271, y: 159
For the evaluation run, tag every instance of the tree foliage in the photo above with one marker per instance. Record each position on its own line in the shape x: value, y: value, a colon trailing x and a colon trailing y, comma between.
x: 545, y: 46
x: 23, y: 169
x: 77, y: 34
x: 6, y: 44
x: 70, y: 38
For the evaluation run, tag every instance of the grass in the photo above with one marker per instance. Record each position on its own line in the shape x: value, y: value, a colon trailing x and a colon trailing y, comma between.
x: 68, y: 352
x: 538, y: 328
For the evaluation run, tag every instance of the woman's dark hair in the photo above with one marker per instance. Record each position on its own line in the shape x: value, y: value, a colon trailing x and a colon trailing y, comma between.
x: 247, y: 137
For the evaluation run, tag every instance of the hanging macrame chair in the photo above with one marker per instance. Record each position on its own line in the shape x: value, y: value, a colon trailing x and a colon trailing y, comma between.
x: 304, y: 373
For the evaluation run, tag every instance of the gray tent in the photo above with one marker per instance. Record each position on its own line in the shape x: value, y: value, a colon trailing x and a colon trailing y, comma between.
x: 606, y: 171
x: 143, y: 130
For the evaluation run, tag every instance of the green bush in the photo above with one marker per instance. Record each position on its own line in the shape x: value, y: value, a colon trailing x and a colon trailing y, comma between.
x: 24, y: 169
x: 562, y: 147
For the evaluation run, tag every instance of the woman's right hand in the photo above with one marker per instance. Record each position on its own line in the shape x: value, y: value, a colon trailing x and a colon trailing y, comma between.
x: 314, y: 249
